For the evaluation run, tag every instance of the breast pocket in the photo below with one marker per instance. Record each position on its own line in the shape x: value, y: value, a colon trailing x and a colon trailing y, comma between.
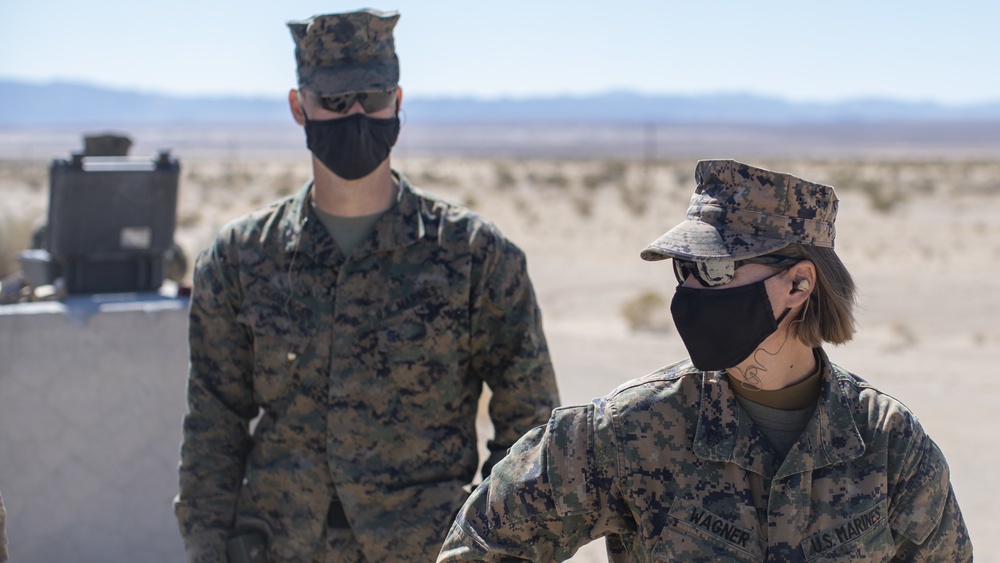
x: 420, y: 343
x: 876, y: 546
x: 693, y: 533
x: 279, y: 362
x: 286, y: 360
x: 865, y: 536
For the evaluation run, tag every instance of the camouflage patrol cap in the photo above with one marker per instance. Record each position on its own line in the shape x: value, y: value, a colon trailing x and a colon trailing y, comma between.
x: 739, y: 211
x: 348, y: 52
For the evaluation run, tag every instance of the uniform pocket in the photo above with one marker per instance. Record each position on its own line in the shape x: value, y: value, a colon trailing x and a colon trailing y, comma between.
x: 694, y: 533
x: 278, y: 361
x: 421, y: 351
x: 283, y: 329
x: 864, y: 536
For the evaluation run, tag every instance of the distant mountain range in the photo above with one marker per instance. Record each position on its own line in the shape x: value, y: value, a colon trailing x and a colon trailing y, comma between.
x: 25, y: 104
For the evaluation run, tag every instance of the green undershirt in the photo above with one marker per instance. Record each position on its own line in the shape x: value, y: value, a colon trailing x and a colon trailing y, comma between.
x: 782, y: 414
x: 347, y: 232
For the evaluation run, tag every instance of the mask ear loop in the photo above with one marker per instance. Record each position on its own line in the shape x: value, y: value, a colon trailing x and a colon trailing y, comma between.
x: 749, y: 378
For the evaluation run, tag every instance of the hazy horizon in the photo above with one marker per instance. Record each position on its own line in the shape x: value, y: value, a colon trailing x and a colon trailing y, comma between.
x: 501, y: 97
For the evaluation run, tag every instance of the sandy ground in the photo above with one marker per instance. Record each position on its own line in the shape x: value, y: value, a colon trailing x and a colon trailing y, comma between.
x: 920, y: 236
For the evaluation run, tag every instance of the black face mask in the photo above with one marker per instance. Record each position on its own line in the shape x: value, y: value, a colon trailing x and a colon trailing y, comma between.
x: 352, y: 147
x: 722, y: 327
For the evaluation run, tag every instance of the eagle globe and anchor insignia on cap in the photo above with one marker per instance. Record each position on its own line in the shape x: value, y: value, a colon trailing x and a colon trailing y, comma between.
x: 740, y: 211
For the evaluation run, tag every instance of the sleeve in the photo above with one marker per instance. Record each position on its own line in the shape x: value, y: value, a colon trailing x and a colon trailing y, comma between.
x: 924, y: 516
x: 220, y: 405
x: 3, y: 532
x: 509, y: 349
x: 556, y: 491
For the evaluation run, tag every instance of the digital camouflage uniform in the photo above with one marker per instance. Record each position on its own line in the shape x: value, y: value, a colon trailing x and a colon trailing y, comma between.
x: 3, y: 532
x: 669, y: 468
x: 367, y: 371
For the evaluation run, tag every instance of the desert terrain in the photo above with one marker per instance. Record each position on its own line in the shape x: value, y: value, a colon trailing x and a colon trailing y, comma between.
x: 919, y: 230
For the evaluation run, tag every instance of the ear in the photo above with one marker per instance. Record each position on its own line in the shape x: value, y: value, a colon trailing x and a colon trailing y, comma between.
x: 399, y: 100
x: 295, y: 105
x: 802, y: 282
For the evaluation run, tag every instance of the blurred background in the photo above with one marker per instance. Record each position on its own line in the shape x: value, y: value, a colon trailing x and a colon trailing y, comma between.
x: 576, y: 127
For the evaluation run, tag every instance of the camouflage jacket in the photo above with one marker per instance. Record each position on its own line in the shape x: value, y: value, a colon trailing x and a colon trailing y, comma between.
x: 3, y: 532
x: 366, y: 370
x: 669, y: 468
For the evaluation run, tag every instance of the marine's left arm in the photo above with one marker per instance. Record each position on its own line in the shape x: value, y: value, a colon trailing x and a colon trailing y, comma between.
x: 924, y: 515
x: 509, y: 351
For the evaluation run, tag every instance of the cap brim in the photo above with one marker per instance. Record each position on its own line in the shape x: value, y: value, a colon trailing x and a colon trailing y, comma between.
x: 696, y: 240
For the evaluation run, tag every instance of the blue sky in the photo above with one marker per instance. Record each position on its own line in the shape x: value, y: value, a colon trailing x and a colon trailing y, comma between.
x: 802, y: 51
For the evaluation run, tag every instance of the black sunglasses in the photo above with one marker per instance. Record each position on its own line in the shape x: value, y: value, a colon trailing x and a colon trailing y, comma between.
x: 371, y: 100
x: 720, y: 272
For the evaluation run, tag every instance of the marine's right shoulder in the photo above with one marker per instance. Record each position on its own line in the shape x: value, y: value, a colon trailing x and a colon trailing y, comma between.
x: 259, y: 223
x: 248, y: 239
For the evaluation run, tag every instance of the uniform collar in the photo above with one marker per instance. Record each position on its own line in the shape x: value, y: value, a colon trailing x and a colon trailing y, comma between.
x: 726, y: 433
x: 401, y: 225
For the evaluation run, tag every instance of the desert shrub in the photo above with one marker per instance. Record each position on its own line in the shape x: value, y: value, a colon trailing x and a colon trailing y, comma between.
x: 584, y: 206
x: 683, y: 177
x: 555, y: 179
x: 236, y: 175
x: 923, y: 186
x: 190, y: 219
x: 192, y: 175
x: 649, y: 310
x: 903, y: 336
x: 15, y: 236
x: 429, y: 177
x: 504, y: 177
x: 29, y: 173
x: 612, y: 172
x: 526, y: 210
x: 289, y: 182
x: 881, y: 197
x: 636, y: 200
